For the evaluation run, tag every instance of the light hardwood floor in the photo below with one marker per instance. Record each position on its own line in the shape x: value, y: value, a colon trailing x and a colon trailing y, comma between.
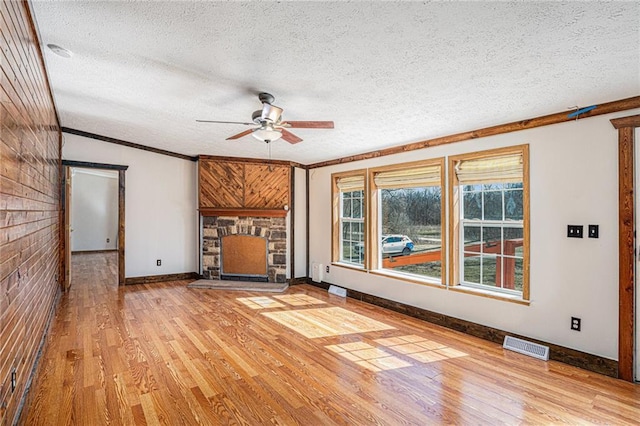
x: 166, y: 354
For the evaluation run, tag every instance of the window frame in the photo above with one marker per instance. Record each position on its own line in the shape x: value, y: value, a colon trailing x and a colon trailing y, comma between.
x: 336, y: 218
x: 456, y: 248
x: 374, y: 254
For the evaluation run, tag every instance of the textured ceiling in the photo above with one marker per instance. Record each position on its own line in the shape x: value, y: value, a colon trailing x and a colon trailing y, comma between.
x: 387, y: 73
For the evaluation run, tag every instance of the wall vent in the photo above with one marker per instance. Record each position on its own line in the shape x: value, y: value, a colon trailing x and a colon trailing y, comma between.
x: 527, y: 348
x: 338, y: 291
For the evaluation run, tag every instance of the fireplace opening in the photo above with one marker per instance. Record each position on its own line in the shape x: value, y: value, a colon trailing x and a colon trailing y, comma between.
x: 244, y: 258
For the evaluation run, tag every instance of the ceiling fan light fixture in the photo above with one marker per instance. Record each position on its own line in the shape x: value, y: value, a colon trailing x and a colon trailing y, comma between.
x: 266, y: 134
x: 271, y: 113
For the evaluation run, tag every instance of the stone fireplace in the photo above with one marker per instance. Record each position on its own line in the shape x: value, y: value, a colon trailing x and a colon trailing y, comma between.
x: 243, y: 260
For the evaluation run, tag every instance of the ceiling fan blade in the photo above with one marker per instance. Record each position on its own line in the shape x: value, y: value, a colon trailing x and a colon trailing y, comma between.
x: 309, y: 124
x: 226, y: 122
x: 289, y: 137
x: 239, y: 135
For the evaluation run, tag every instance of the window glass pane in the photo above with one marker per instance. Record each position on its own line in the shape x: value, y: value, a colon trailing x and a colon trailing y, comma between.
x: 513, y: 241
x: 472, y: 242
x: 472, y: 205
x: 513, y: 205
x: 474, y: 188
x: 492, y: 237
x: 411, y: 233
x: 518, y: 274
x: 489, y: 270
x: 346, y: 231
x: 357, y: 207
x: 358, y: 233
x: 492, y: 205
x: 346, y: 207
x: 472, y: 269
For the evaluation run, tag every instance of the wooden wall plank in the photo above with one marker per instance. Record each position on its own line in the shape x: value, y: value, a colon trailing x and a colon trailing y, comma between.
x: 266, y: 186
x: 242, y: 184
x: 29, y: 204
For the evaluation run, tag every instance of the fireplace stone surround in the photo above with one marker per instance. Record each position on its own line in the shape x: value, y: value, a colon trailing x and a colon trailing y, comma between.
x: 274, y: 229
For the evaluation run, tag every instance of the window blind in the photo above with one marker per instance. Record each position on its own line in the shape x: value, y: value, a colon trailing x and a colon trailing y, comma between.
x: 351, y: 183
x: 503, y: 168
x: 419, y: 176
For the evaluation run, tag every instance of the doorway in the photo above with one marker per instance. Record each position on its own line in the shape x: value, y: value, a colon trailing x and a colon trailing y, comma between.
x: 109, y: 227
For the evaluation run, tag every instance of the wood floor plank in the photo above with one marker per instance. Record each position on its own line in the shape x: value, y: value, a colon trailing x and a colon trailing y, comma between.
x: 165, y: 354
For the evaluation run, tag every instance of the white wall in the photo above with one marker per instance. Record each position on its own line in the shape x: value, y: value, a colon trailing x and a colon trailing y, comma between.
x: 94, y: 209
x: 160, y: 205
x: 573, y: 180
x: 300, y: 237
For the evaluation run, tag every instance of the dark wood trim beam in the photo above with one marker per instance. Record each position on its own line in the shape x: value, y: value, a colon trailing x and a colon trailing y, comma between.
x: 88, y: 165
x: 292, y: 221
x: 546, y: 120
x: 121, y: 227
x: 631, y: 121
x: 307, y: 216
x: 243, y: 212
x: 250, y: 160
x: 162, y: 278
x: 569, y: 356
x: 627, y: 252
x: 127, y: 144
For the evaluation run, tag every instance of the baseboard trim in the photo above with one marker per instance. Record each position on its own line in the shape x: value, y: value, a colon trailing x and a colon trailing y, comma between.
x: 297, y: 281
x: 583, y: 360
x: 161, y: 278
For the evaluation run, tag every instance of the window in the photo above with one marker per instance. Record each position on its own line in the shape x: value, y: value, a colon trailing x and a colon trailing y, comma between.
x: 489, y: 215
x: 349, y: 223
x: 408, y: 205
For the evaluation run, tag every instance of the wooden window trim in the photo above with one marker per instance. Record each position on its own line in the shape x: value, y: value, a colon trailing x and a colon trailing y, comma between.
x: 335, y: 217
x: 373, y: 260
x: 454, y: 219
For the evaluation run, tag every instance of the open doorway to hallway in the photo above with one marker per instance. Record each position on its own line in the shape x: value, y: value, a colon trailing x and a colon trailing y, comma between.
x: 94, y: 213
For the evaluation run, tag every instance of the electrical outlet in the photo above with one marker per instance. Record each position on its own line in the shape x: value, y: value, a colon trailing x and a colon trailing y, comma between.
x: 327, y: 269
x: 13, y: 380
x: 576, y: 323
x: 108, y: 239
x: 574, y: 231
x: 159, y: 262
x: 594, y: 231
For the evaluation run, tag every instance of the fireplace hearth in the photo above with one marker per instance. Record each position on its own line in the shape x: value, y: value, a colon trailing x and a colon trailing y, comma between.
x: 244, y: 248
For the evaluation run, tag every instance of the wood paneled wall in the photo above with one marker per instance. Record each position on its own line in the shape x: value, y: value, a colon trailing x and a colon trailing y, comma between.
x: 29, y: 204
x: 228, y: 184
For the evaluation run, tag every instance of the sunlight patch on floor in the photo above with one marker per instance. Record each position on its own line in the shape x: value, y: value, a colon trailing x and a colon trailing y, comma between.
x: 419, y: 348
x: 259, y: 302
x: 326, y: 322
x: 299, y: 300
x: 368, y: 356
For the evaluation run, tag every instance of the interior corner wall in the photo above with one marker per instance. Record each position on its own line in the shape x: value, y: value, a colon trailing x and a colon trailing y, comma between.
x: 300, y: 237
x: 29, y: 206
x: 160, y: 205
x: 94, y: 210
x: 573, y: 180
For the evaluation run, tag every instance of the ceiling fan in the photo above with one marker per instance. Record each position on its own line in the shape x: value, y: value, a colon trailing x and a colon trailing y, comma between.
x: 271, y: 127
